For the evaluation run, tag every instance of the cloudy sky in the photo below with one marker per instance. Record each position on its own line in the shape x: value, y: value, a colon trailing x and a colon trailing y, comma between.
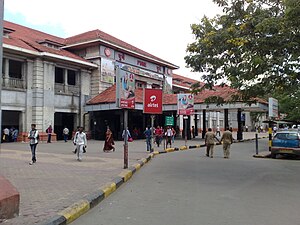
x: 159, y: 27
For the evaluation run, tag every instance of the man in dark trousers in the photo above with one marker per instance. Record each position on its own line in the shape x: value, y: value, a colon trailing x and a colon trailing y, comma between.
x: 33, y: 135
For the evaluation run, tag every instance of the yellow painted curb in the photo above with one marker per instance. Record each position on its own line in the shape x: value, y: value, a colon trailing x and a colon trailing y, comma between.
x: 151, y: 155
x: 144, y: 160
x: 76, y: 210
x: 156, y: 153
x: 170, y: 150
x: 126, y: 174
x: 137, y: 166
x: 108, y: 189
x: 183, y: 148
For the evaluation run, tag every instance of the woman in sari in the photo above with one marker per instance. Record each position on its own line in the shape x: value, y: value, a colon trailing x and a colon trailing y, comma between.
x: 109, y: 141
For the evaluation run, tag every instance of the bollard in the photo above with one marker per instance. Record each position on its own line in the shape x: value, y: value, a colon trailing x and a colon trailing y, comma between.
x: 256, y: 143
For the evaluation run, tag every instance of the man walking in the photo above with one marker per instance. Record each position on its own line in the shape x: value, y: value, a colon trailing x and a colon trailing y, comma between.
x: 148, y: 136
x: 168, y: 135
x: 33, y: 135
x: 227, y: 141
x: 81, y: 143
x: 66, y: 134
x: 218, y: 131
x: 210, y: 142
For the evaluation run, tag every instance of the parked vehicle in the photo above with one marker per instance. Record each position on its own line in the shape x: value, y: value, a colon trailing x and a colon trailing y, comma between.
x: 286, y: 142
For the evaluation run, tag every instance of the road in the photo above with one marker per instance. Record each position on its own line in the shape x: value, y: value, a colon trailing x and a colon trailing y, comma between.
x: 189, y: 188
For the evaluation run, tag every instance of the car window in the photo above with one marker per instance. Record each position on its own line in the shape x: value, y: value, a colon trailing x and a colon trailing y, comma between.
x: 286, y: 136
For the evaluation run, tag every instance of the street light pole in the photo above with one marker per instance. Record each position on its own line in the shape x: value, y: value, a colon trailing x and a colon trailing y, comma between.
x: 1, y: 54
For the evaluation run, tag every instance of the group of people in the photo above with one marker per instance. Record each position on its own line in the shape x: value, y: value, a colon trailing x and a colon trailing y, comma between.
x: 80, y: 140
x: 226, y: 140
x: 159, y: 133
x: 10, y: 135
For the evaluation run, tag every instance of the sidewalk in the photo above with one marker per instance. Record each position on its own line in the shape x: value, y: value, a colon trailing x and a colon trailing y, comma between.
x: 57, y: 180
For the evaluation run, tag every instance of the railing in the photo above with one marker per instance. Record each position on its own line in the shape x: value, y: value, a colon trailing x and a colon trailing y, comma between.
x: 66, y: 89
x: 14, y: 83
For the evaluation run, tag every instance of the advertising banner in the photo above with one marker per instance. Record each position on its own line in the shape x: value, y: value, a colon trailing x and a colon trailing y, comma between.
x: 107, y: 71
x: 273, y: 108
x: 125, y: 92
x: 153, y: 101
x: 185, y: 104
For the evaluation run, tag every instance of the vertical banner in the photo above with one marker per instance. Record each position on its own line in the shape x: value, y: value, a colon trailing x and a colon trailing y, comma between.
x: 185, y: 104
x: 153, y: 101
x: 107, y: 71
x: 273, y: 108
x: 125, y: 92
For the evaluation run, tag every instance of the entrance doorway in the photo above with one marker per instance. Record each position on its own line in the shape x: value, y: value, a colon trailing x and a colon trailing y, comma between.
x: 62, y: 120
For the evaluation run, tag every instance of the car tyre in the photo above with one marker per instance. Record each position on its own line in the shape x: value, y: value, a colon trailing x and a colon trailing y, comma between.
x: 273, y: 155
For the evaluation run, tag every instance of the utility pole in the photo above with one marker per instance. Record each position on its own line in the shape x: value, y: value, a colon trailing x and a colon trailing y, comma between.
x: 1, y: 53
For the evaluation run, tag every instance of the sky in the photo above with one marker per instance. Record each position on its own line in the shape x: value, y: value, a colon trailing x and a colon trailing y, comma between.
x: 161, y: 28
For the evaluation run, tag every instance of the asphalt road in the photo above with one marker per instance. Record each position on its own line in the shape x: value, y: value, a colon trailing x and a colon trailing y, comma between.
x: 188, y: 188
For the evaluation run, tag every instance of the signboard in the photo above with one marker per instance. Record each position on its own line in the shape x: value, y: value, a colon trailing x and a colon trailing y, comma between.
x: 169, y: 121
x: 153, y: 101
x: 185, y: 104
x: 273, y: 108
x: 125, y: 89
x: 107, y: 71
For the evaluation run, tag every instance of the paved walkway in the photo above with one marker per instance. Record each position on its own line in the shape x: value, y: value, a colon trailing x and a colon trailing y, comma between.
x: 57, y: 180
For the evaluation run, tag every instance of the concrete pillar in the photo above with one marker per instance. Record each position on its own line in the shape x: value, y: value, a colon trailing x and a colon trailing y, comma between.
x: 240, y: 130
x: 226, y: 123
x: 204, y: 123
x: 65, y: 80
x: 6, y: 72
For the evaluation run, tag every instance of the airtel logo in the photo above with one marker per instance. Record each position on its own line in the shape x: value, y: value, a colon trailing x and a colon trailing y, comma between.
x: 152, y: 98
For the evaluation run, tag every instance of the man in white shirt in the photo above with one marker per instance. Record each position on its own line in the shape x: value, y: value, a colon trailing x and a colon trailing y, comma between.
x: 66, y: 134
x: 169, y: 134
x: 81, y: 142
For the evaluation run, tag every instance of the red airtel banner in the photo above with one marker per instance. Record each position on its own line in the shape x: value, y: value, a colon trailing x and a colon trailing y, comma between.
x: 153, y: 101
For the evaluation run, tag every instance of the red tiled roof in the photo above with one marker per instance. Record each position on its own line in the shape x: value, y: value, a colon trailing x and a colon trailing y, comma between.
x: 29, y: 39
x: 183, y: 81
x: 109, y: 96
x: 98, y: 34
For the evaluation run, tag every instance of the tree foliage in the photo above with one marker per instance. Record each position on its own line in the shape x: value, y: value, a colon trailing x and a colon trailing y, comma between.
x: 253, y: 46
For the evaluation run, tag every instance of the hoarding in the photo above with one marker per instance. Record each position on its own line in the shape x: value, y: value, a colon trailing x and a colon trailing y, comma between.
x: 153, y: 101
x: 273, y: 108
x: 125, y: 89
x: 185, y: 104
x: 107, y: 71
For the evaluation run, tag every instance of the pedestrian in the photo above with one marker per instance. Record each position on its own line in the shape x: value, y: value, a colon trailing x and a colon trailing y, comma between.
x: 227, y: 141
x: 158, y: 133
x: 247, y: 128
x: 6, y: 135
x: 49, y: 132
x: 81, y: 143
x: 193, y: 131
x: 210, y: 142
x: 33, y: 136
x: 148, y: 136
x: 109, y: 141
x: 218, y: 133
x: 169, y: 135
x: 66, y: 133
x: 173, y: 134
x: 75, y: 150
x: 15, y: 135
x: 129, y: 138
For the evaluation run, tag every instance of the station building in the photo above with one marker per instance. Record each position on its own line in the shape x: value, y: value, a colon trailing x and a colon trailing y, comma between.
x: 49, y: 80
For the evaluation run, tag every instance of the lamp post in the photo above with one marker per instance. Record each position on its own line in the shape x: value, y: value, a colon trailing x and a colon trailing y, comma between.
x: 1, y: 53
x: 185, y: 129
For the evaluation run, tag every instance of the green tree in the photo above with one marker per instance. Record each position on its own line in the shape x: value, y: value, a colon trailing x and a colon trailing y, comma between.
x: 253, y: 46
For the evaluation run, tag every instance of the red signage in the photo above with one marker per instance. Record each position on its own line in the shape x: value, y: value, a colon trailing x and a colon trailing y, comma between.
x: 153, y: 101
